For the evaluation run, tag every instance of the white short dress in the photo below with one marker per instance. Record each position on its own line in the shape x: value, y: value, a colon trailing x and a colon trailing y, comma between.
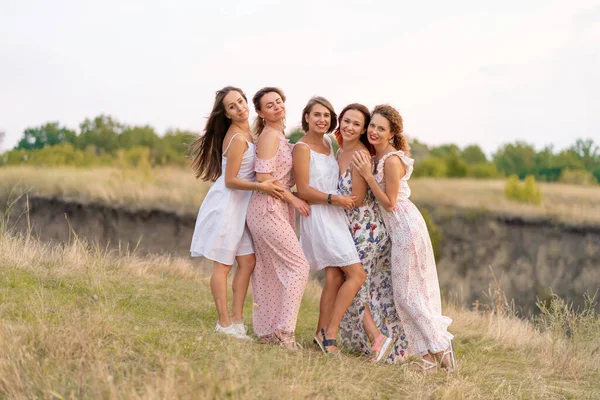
x: 324, y: 235
x: 221, y: 233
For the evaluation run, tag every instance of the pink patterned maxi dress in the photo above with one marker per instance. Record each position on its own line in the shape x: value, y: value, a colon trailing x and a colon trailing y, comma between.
x: 414, y: 274
x: 373, y: 244
x: 281, y: 271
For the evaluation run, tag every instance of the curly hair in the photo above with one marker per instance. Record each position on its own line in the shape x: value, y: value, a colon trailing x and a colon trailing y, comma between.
x: 259, y: 123
x: 388, y: 112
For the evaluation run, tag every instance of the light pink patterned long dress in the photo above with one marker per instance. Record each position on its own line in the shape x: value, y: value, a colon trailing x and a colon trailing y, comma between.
x: 281, y: 270
x: 414, y: 274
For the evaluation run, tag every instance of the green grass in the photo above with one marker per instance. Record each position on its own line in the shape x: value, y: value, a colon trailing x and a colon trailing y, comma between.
x: 81, y: 324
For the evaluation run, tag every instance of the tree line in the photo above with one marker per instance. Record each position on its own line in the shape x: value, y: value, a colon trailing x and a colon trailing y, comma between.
x: 99, y: 141
x: 105, y: 141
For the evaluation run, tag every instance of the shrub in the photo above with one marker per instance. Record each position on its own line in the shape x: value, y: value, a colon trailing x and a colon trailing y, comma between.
x: 577, y: 177
x: 431, y: 166
x: 298, y: 134
x: 435, y: 234
x: 483, y: 171
x: 529, y: 192
x: 455, y: 166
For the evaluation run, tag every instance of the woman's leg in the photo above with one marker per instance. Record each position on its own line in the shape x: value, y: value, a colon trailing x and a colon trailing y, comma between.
x: 241, y: 280
x: 355, y: 276
x: 369, y: 325
x: 218, y: 286
x: 334, y: 279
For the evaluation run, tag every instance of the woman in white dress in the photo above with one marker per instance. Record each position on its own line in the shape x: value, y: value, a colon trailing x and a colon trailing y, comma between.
x: 224, y: 154
x: 324, y: 235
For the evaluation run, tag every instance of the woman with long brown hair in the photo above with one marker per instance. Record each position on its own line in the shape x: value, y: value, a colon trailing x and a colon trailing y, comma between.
x: 281, y: 271
x: 224, y: 154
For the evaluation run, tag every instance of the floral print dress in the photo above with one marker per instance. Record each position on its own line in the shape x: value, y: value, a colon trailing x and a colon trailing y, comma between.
x: 373, y: 246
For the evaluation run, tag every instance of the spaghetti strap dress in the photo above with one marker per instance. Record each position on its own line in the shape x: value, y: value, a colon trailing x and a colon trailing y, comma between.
x: 324, y: 235
x: 221, y: 233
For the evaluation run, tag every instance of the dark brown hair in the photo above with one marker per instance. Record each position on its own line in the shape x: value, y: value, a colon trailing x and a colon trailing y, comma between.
x: 325, y: 103
x: 207, y: 150
x: 259, y: 123
x: 396, y: 126
x: 366, y: 116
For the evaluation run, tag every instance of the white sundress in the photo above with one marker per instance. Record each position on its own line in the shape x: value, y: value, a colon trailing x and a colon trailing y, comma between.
x: 221, y: 233
x: 324, y: 235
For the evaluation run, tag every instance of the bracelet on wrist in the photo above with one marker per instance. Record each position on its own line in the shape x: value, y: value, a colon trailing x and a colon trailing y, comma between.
x: 329, y: 198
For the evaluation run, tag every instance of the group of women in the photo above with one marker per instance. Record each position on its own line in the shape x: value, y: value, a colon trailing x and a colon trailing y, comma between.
x: 381, y: 293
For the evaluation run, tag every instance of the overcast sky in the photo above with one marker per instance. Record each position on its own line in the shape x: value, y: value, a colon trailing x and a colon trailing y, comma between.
x: 485, y: 72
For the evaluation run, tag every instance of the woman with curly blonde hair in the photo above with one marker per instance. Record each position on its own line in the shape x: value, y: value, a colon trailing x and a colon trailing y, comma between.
x: 414, y: 275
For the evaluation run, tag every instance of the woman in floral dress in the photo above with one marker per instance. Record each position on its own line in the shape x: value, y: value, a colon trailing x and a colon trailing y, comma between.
x: 414, y: 275
x: 372, y: 316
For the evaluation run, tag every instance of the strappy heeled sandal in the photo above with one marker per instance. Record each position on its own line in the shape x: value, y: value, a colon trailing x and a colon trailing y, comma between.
x: 268, y: 339
x: 425, y: 366
x: 382, y: 347
x: 287, y: 340
x: 328, y: 342
x: 317, y: 341
x: 448, y: 352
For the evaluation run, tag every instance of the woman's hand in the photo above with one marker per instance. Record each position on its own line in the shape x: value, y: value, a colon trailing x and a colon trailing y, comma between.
x: 271, y: 188
x: 301, y: 206
x: 346, y: 202
x: 361, y: 162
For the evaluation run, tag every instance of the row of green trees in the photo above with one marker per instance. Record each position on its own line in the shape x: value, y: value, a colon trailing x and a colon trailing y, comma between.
x: 100, y: 141
x: 579, y: 164
x: 104, y: 140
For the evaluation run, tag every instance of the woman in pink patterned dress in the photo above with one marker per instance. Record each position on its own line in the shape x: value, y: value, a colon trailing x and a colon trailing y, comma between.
x: 281, y: 271
x: 414, y: 275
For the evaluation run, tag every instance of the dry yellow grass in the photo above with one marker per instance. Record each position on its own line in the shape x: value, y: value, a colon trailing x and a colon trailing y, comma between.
x: 175, y: 189
x: 76, y: 322
x: 570, y: 204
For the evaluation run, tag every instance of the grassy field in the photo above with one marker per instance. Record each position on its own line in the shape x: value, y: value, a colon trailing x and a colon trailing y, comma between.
x: 76, y: 322
x: 176, y: 190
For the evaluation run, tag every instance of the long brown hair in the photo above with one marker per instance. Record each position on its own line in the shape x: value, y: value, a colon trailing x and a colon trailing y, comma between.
x: 207, y: 150
x: 259, y: 123
x: 388, y: 112
x: 367, y: 117
x: 325, y: 103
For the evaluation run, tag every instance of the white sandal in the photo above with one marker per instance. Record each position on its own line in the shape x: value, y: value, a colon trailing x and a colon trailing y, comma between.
x: 382, y: 346
x: 425, y: 366
x: 449, y: 351
x: 287, y: 340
